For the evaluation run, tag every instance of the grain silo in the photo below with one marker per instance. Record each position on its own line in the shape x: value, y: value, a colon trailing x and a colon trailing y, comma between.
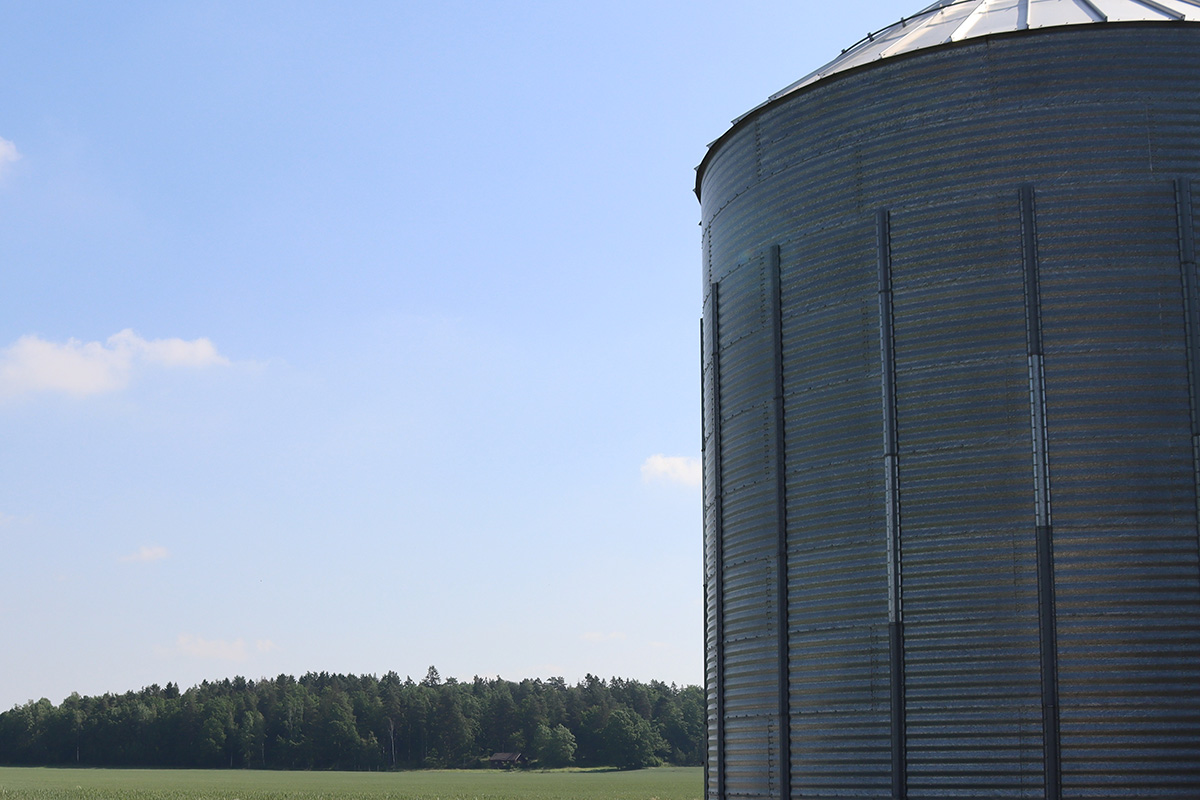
x: 951, y: 378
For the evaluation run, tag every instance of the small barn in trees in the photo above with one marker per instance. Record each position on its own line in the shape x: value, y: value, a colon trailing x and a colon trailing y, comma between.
x: 507, y: 760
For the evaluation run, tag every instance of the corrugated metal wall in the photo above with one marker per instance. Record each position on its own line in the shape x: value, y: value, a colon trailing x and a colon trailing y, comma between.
x: 951, y: 351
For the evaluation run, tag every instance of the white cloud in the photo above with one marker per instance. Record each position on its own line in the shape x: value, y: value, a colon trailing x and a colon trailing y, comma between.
x: 155, y: 553
x: 8, y: 154
x: 192, y: 646
x: 672, y: 469
x: 198, y: 647
x: 168, y: 352
x: 33, y: 364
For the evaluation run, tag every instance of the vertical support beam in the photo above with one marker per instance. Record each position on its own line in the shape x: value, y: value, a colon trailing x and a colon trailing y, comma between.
x: 891, y: 468
x: 781, y: 552
x: 703, y: 567
x: 1043, y: 519
x: 1191, y: 316
x: 717, y: 556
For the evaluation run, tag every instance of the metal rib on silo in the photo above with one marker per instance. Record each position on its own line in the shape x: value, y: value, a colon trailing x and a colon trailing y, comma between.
x: 1043, y: 527
x: 891, y: 468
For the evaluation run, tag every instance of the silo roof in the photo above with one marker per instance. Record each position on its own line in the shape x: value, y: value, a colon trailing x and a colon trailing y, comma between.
x: 949, y: 21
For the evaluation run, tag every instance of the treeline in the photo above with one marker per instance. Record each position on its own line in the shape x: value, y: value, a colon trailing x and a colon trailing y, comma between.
x: 324, y: 721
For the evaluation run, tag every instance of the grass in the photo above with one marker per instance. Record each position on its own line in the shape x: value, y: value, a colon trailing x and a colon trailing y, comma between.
x: 39, y: 783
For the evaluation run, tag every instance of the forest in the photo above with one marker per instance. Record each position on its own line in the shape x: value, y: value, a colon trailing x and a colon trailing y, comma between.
x: 348, y: 722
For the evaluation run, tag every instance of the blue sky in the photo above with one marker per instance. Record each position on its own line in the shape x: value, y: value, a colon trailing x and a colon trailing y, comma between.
x: 361, y: 337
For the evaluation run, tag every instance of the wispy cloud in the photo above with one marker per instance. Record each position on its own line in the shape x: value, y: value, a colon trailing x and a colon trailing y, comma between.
x: 155, y: 553
x: 8, y: 154
x: 672, y: 469
x: 192, y: 646
x: 215, y: 649
x: 33, y: 364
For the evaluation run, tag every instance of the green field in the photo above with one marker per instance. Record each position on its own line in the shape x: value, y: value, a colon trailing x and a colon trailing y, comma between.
x: 665, y: 783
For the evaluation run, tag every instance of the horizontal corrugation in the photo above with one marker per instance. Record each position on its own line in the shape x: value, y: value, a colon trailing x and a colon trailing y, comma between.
x: 943, y: 140
x: 1124, y: 496
x: 837, y: 579
x: 993, y: 97
x: 745, y: 451
x: 750, y: 775
x: 736, y: 167
x: 1117, y: 392
x: 831, y: 677
x: 973, y: 705
x: 1195, y: 221
x: 840, y: 712
x: 837, y: 427
x: 750, y: 599
x: 848, y: 332
x: 748, y: 572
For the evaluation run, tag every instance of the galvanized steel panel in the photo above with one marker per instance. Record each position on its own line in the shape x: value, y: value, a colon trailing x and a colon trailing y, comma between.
x: 1124, y: 486
x: 943, y: 141
x: 969, y: 562
x: 743, y: 565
